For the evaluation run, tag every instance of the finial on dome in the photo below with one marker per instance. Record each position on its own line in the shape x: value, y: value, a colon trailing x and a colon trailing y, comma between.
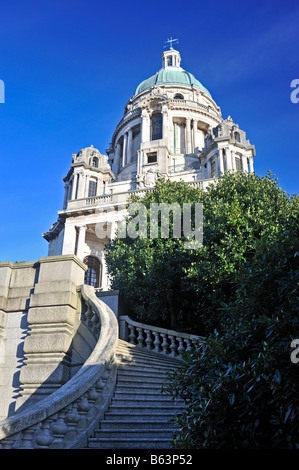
x: 170, y: 41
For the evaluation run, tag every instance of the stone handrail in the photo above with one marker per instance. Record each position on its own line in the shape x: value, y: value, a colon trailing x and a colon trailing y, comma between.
x: 156, y: 339
x: 64, y: 419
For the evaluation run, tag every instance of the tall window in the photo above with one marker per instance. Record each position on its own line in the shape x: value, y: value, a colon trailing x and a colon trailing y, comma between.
x: 92, y: 188
x: 238, y: 164
x: 156, y: 126
x: 95, y: 162
x: 94, y: 271
x: 213, y: 169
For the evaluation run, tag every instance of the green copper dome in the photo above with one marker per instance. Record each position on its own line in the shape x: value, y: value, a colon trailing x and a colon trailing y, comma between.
x: 169, y: 76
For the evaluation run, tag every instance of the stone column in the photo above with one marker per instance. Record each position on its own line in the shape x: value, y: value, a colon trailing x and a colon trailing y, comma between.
x: 116, y: 159
x: 81, y: 241
x: 221, y: 162
x: 188, y: 135
x: 244, y: 164
x: 100, y: 186
x: 165, y: 124
x: 233, y: 160
x: 251, y: 165
x: 217, y: 164
x: 124, y: 150
x: 194, y: 134
x: 228, y: 159
x: 66, y: 191
x: 87, y: 178
x: 129, y: 146
x: 144, y: 126
x: 74, y: 187
x: 80, y: 194
x: 69, y: 239
x: 209, y: 169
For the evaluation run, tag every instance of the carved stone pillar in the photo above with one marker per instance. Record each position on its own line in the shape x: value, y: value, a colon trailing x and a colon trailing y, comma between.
x: 188, y: 135
x: 81, y: 182
x: 116, y: 159
x: 124, y: 150
x: 221, y: 161
x: 165, y: 119
x: 74, y: 187
x: 81, y: 241
x: 129, y: 146
x: 144, y: 126
x: 194, y: 134
x: 66, y: 191
x: 244, y: 164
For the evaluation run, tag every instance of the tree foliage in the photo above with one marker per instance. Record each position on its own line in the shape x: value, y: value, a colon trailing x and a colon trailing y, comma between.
x: 168, y: 285
x: 241, y: 388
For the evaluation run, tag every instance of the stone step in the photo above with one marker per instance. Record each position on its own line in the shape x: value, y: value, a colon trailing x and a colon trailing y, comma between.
x: 139, y: 409
x: 142, y: 377
x: 151, y: 423
x: 147, y: 394
x: 135, y: 361
x: 129, y: 386
x: 138, y: 379
x: 138, y: 366
x: 142, y: 371
x: 138, y: 443
x: 122, y: 433
x: 143, y: 401
x: 147, y: 416
x: 143, y: 353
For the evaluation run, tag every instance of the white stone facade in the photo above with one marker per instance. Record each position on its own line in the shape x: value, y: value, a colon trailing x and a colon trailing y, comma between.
x: 171, y: 129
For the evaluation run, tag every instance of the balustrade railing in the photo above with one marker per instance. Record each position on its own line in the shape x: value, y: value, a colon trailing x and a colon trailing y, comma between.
x: 64, y: 419
x: 168, y: 342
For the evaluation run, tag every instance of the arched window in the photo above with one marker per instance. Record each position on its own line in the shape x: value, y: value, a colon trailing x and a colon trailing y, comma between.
x: 178, y: 96
x: 237, y: 136
x: 94, y: 272
x: 95, y: 162
x: 156, y: 126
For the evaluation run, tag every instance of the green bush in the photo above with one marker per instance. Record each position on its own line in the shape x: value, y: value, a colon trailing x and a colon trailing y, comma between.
x: 242, y: 389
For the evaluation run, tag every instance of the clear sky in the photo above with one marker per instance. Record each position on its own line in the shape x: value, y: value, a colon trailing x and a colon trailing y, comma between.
x: 69, y: 67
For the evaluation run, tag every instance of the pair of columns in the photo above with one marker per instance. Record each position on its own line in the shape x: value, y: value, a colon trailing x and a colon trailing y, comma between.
x: 228, y: 162
x: 78, y: 187
x: 190, y: 136
x: 79, y: 246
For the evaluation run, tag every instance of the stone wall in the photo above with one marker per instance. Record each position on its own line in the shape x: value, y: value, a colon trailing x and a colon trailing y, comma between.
x: 39, y: 318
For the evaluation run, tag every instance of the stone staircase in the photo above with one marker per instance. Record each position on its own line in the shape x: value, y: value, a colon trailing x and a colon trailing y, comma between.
x: 140, y: 415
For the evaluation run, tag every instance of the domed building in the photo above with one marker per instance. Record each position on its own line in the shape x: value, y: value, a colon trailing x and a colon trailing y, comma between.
x: 171, y: 129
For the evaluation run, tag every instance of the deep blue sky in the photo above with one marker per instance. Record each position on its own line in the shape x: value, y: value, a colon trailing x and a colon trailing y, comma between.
x: 69, y: 68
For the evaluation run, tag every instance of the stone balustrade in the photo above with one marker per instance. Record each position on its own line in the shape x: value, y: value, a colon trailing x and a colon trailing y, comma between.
x: 154, y: 338
x: 66, y: 418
